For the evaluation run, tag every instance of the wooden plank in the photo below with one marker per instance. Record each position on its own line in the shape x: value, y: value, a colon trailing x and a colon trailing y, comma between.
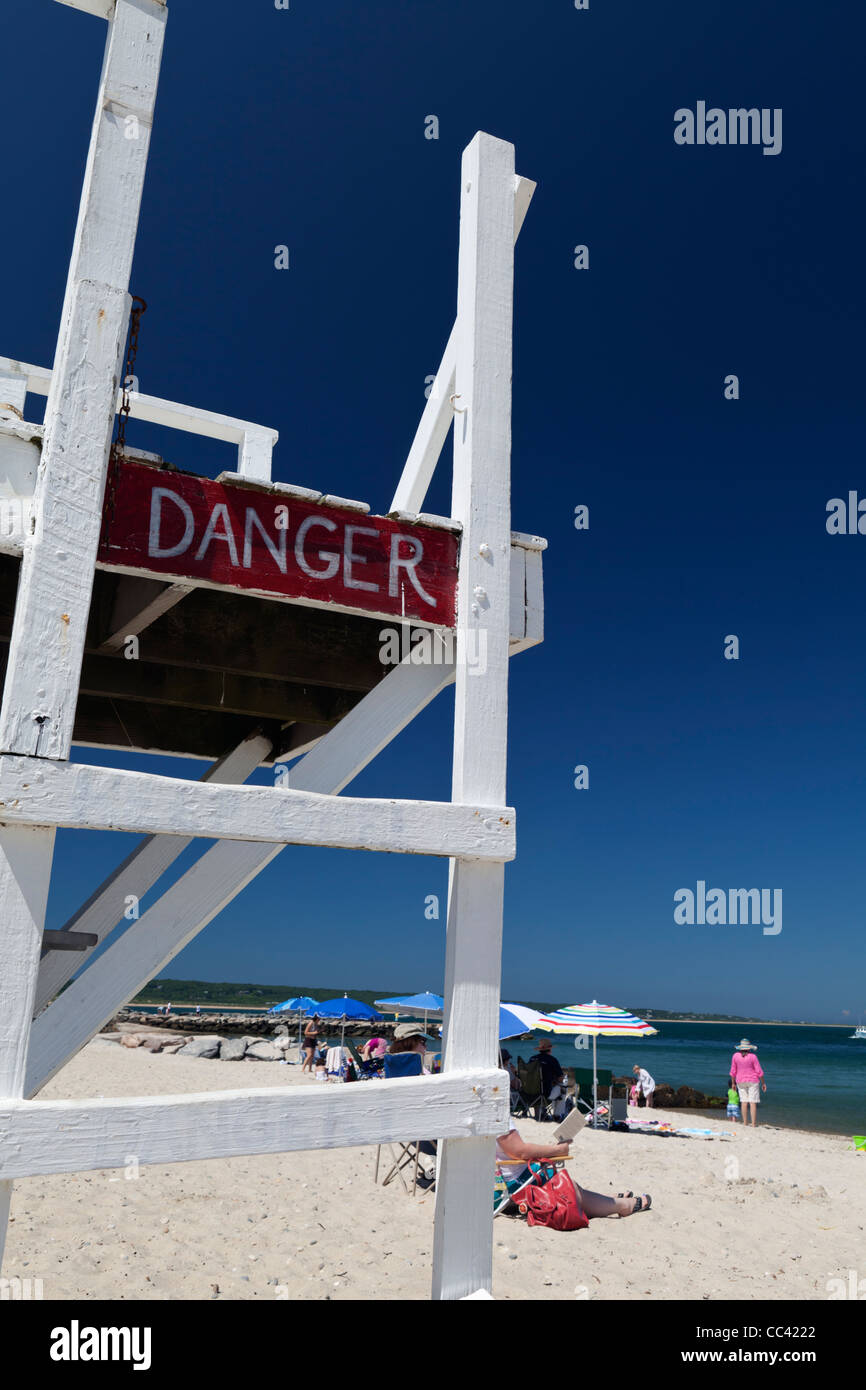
x: 254, y: 441
x: 220, y: 691
x: 463, y: 1238
x: 25, y: 873
x: 101, y: 8
x: 135, y: 726
x: 138, y: 603
x: 57, y: 567
x: 81, y: 797
x: 234, y: 633
x: 237, y: 537
x: 136, y: 875
x: 438, y: 414
x: 40, y: 1137
x: 68, y: 941
x: 224, y: 871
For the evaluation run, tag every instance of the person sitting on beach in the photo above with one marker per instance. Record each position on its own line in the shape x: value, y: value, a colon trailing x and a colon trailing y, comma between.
x: 512, y: 1149
x: 552, y: 1077
x: 645, y: 1085
x: 506, y: 1064
x: 409, y: 1037
x: 747, y: 1075
x: 733, y: 1110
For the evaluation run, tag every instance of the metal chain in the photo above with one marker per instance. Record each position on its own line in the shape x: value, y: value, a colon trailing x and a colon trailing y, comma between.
x: 138, y: 308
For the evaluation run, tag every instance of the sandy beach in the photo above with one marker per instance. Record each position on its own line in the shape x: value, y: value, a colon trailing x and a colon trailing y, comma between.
x: 770, y: 1213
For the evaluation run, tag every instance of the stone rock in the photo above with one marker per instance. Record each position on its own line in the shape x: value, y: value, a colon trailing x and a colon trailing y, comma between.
x: 131, y: 1040
x: 232, y: 1050
x: 263, y: 1052
x: 153, y: 1044
x: 173, y: 1047
x: 200, y: 1047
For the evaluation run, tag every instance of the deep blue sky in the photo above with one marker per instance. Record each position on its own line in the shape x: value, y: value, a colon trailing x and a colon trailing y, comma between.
x: 306, y: 128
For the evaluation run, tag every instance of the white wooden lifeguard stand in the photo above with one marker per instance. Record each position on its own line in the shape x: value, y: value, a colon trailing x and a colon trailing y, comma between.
x: 57, y: 473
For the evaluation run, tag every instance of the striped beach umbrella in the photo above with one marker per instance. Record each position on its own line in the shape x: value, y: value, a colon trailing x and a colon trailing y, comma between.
x: 594, y: 1020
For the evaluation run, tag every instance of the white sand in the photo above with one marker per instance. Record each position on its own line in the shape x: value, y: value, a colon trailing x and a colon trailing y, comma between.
x: 771, y: 1214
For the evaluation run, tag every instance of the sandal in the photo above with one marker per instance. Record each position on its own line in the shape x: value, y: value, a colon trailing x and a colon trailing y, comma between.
x: 642, y: 1203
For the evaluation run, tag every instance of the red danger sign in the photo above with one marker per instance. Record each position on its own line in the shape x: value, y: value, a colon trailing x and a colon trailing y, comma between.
x: 181, y: 526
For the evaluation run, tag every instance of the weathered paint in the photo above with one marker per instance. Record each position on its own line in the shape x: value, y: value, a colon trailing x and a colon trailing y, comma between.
x: 235, y: 536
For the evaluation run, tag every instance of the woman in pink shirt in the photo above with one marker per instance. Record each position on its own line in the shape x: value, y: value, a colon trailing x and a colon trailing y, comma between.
x: 748, y: 1076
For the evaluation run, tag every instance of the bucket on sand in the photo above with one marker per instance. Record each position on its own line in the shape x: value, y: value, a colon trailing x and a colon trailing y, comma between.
x: 860, y: 1143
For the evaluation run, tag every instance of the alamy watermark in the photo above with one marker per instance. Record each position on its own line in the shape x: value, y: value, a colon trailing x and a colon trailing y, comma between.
x: 426, y: 647
x: 21, y: 1290
x: 736, y: 126
x: 719, y: 907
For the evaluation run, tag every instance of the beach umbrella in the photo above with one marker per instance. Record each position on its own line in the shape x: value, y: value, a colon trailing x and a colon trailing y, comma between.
x: 414, y: 1004
x: 344, y: 1009
x: 515, y: 1019
x: 300, y: 1005
x: 594, y: 1020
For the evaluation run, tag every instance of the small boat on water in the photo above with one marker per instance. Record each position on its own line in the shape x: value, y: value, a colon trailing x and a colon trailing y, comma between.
x: 859, y: 1032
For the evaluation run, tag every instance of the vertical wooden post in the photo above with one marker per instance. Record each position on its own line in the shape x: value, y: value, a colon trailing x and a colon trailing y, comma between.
x: 57, y: 568
x: 463, y: 1240
x: 13, y: 393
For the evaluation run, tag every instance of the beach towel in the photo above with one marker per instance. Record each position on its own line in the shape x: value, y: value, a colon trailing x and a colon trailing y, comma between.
x: 335, y: 1064
x: 556, y: 1205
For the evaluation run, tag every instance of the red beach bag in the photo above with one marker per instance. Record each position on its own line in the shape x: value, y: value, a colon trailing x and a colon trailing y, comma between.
x: 555, y: 1205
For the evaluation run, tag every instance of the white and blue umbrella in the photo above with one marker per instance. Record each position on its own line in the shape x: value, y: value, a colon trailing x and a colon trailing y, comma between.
x: 515, y: 1019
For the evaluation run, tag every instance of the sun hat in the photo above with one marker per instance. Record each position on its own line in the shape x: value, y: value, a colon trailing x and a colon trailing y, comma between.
x: 745, y: 1046
x: 411, y: 1030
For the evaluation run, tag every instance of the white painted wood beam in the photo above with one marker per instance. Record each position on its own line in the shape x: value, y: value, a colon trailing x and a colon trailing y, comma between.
x: 438, y: 413
x: 40, y: 1137
x: 481, y: 501
x: 25, y: 872
x: 124, y: 889
x: 148, y: 945
x: 13, y: 394
x: 255, y: 442
x: 101, y: 8
x: 79, y: 796
x: 58, y: 561
x: 138, y: 603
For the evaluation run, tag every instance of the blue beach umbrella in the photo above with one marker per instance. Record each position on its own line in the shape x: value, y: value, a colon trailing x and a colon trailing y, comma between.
x: 300, y: 1005
x: 414, y: 1004
x: 344, y: 1009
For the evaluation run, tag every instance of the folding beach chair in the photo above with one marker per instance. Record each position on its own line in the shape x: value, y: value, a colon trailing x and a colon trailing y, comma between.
x: 367, y: 1071
x: 405, y: 1153
x: 611, y: 1110
x: 533, y: 1102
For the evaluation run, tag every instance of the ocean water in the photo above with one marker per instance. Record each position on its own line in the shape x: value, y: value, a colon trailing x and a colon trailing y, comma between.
x: 816, y: 1077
